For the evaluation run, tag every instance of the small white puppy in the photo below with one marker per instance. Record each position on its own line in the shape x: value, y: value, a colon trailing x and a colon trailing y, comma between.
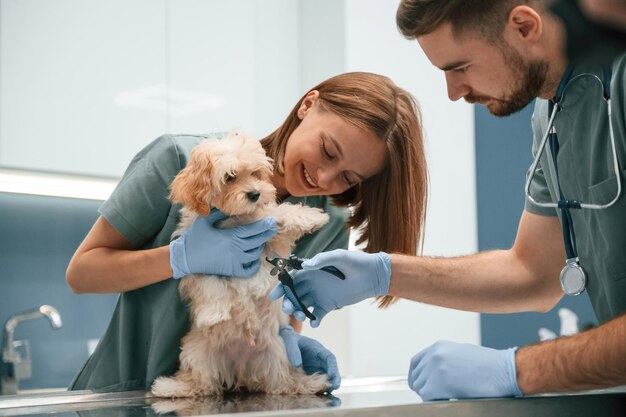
x: 233, y: 344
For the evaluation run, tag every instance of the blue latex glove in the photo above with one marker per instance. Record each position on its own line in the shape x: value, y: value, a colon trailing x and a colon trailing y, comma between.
x: 289, y: 302
x: 367, y: 275
x: 205, y: 249
x: 309, y: 354
x: 459, y: 370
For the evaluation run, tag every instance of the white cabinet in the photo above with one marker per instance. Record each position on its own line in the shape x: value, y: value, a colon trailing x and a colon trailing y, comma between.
x: 238, y: 58
x: 65, y: 66
x: 85, y: 84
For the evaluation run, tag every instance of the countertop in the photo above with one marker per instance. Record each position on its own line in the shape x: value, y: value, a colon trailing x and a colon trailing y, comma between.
x: 356, y: 397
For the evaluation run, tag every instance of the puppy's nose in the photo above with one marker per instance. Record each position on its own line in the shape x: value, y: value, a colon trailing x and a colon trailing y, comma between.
x: 253, y: 196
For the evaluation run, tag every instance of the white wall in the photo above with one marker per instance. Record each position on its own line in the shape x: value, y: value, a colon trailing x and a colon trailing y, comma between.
x: 322, y: 49
x: 62, y: 65
x: 84, y: 84
x: 377, y: 342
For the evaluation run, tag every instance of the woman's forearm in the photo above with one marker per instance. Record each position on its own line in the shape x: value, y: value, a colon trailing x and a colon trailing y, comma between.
x: 107, y: 262
x: 104, y: 270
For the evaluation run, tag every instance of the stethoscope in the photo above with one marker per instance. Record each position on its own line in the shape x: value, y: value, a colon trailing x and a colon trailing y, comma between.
x: 573, y: 278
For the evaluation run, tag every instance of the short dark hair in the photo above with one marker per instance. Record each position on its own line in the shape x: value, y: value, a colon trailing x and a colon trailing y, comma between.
x: 486, y: 17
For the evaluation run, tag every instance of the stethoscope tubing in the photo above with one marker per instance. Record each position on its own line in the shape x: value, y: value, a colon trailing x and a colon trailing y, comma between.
x: 542, y: 147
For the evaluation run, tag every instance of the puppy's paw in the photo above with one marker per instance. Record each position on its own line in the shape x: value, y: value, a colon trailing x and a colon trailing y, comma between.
x: 299, y: 384
x: 313, y: 384
x: 170, y: 387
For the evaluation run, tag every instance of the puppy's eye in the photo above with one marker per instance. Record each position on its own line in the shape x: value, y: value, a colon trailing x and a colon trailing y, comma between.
x: 257, y: 174
x: 230, y: 177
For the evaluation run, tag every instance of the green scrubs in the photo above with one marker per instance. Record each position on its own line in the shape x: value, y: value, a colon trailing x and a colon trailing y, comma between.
x: 142, y: 341
x: 585, y: 167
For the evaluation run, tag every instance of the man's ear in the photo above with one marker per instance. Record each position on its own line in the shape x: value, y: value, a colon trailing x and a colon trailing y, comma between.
x: 525, y: 23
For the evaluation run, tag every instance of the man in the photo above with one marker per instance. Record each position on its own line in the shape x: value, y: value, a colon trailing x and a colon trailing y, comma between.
x: 503, y: 54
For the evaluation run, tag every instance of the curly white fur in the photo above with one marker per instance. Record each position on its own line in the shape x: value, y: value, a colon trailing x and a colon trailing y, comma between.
x: 233, y: 344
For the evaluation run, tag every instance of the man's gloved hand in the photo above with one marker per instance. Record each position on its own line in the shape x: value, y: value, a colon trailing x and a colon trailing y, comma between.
x: 206, y: 249
x: 309, y: 354
x: 453, y: 370
x: 367, y: 275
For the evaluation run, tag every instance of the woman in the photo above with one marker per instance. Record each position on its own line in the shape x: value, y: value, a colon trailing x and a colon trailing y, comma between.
x: 354, y: 140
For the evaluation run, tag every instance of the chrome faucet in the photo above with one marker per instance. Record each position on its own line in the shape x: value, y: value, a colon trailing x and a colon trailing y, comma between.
x: 14, y: 367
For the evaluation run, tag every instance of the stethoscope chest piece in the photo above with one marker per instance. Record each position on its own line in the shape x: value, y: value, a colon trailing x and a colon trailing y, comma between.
x: 573, y: 278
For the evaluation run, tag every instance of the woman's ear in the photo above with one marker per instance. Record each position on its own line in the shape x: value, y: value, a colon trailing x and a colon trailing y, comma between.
x: 307, y: 103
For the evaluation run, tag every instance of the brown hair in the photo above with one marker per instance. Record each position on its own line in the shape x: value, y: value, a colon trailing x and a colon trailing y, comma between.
x: 389, y: 208
x: 486, y: 17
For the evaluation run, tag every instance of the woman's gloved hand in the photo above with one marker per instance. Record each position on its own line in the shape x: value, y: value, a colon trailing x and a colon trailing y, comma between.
x: 206, y: 249
x: 459, y: 370
x: 309, y: 354
x: 367, y: 275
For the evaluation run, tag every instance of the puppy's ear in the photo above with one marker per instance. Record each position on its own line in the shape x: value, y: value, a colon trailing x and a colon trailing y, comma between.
x: 267, y: 169
x: 192, y: 186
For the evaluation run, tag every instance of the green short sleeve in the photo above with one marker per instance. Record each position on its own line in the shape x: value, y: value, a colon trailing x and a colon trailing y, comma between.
x: 139, y: 207
x: 538, y: 186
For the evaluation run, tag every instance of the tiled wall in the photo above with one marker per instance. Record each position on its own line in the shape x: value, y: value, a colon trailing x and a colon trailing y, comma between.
x: 39, y: 236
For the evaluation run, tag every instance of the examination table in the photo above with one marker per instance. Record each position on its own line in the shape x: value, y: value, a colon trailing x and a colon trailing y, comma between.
x: 357, y: 397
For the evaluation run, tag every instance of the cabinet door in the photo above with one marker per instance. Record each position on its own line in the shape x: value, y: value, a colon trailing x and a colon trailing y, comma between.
x: 85, y: 84
x: 233, y: 64
x: 77, y: 83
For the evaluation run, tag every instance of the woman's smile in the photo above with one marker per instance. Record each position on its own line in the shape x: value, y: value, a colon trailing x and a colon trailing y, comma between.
x: 308, y: 178
x: 327, y: 155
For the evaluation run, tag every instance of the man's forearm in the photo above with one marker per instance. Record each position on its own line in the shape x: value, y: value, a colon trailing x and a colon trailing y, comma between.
x: 488, y: 282
x: 590, y: 360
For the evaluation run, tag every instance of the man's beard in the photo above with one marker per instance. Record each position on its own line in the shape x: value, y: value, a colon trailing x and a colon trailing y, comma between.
x: 526, y: 88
